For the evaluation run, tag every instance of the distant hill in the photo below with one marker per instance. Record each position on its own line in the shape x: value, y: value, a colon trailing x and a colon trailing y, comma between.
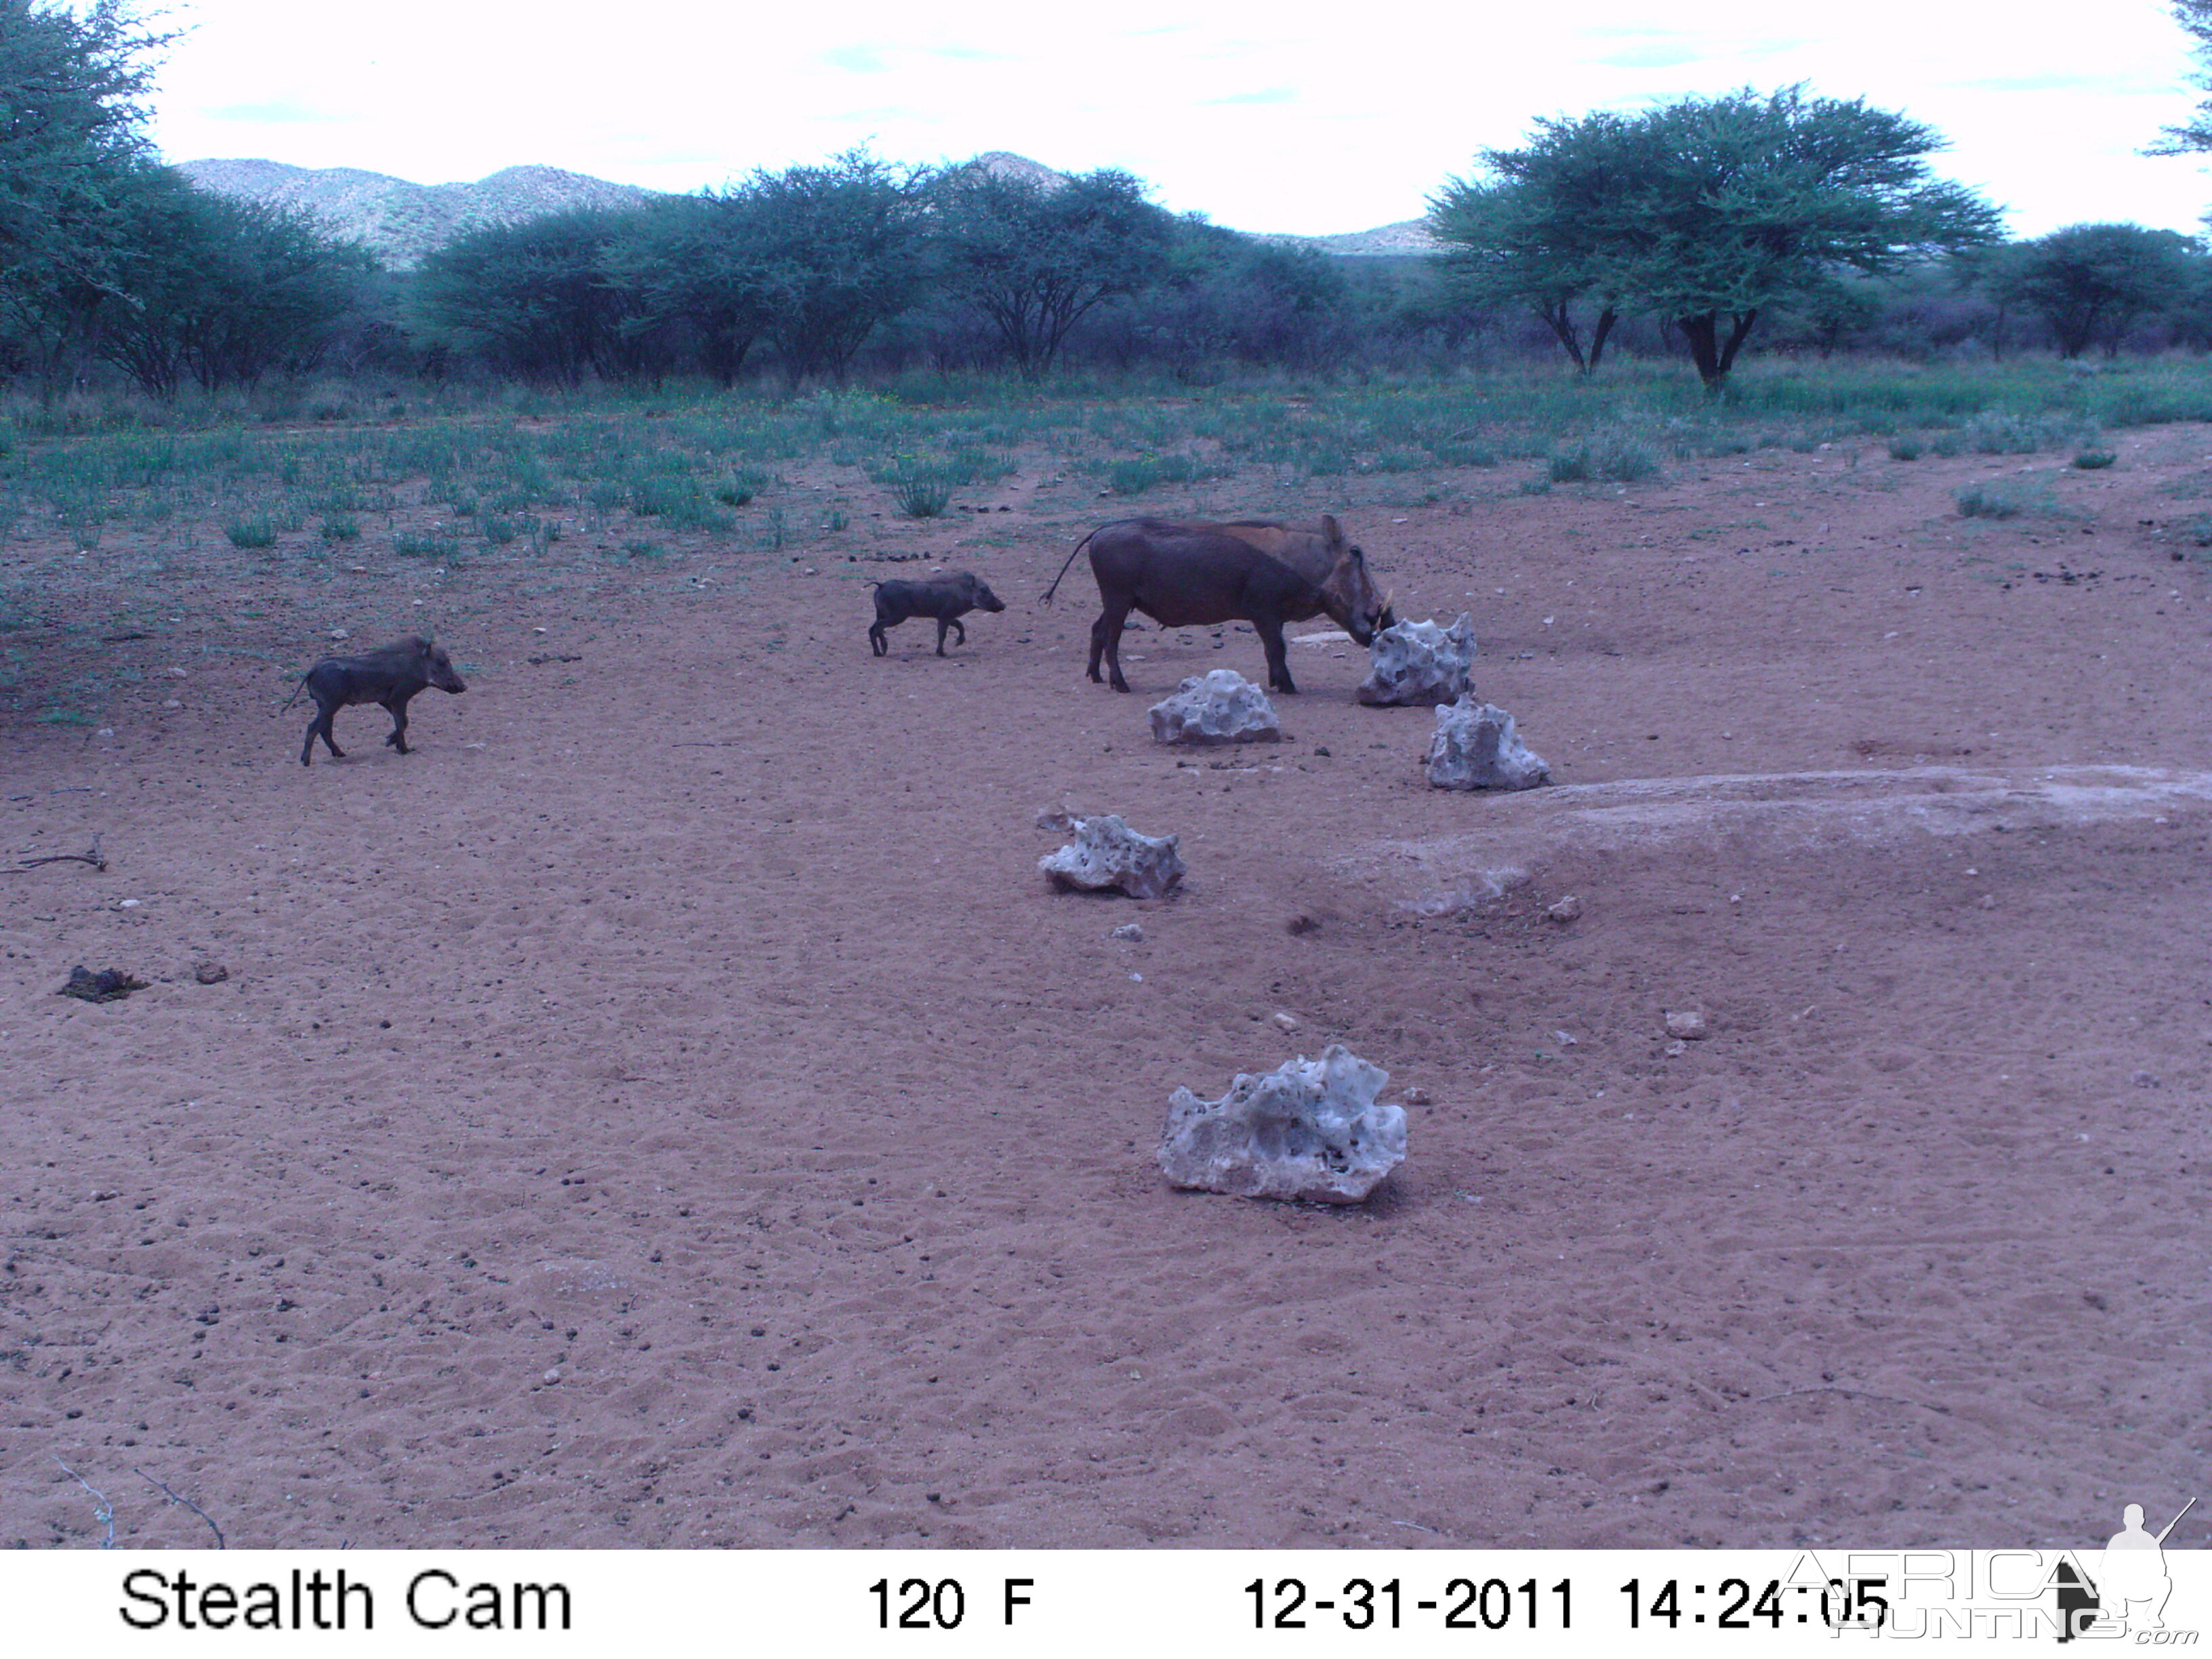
x: 402, y: 221
x: 1408, y: 236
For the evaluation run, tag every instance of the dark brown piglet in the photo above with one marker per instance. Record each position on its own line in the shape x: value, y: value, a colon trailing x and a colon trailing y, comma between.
x: 388, y: 676
x: 947, y: 598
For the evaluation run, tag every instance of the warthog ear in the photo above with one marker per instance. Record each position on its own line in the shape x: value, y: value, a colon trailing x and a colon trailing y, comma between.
x: 1330, y: 528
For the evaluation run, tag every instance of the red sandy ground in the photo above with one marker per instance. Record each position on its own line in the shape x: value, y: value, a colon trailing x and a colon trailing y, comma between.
x: 670, y: 1108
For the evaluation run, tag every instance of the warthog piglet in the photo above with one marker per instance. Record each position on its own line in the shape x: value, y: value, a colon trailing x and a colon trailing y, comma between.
x: 947, y: 598
x: 389, y: 676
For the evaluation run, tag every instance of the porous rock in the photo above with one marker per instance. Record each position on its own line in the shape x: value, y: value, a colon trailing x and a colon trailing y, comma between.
x: 1107, y: 853
x: 1475, y: 747
x: 1688, y: 1023
x: 1221, y: 707
x: 1309, y: 1129
x: 1417, y: 662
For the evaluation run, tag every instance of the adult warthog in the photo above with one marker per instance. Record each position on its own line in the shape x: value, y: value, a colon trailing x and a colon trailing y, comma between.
x: 1193, y: 575
x: 1310, y: 549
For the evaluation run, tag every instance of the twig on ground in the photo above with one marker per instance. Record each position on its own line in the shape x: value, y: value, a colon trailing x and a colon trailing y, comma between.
x: 179, y: 1498
x: 104, y: 1514
x: 92, y: 856
x: 1855, y: 1394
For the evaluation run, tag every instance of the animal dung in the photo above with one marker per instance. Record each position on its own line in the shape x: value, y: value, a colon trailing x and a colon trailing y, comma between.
x: 1475, y: 747
x: 1107, y: 853
x: 1310, y: 1129
x: 1417, y: 662
x: 1221, y: 706
x: 108, y: 985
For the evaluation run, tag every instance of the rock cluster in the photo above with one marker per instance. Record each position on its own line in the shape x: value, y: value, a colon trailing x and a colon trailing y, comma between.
x: 1221, y: 707
x: 1309, y: 1129
x: 1106, y: 853
x: 1417, y: 662
x: 1475, y: 747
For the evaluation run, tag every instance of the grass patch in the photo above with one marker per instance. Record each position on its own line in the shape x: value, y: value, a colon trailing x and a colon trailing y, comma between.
x: 2006, y: 498
x: 256, y: 529
x: 1134, y: 477
x: 426, y: 547
x: 1612, y: 456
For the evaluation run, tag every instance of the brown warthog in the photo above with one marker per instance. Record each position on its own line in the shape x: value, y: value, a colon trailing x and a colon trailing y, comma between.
x: 1192, y: 575
x: 389, y: 676
x: 1307, y: 549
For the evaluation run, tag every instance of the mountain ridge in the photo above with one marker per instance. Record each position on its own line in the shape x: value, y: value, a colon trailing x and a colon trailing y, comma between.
x: 401, y: 221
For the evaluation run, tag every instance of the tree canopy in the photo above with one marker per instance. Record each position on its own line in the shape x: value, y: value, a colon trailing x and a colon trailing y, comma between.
x: 2196, y: 133
x: 72, y: 150
x: 1708, y: 211
x: 1035, y: 258
x: 2093, y: 283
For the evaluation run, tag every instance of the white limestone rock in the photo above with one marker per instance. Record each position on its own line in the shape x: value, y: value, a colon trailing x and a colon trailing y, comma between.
x: 1221, y: 707
x: 1309, y: 1129
x: 1475, y: 747
x: 1417, y: 662
x: 1107, y: 853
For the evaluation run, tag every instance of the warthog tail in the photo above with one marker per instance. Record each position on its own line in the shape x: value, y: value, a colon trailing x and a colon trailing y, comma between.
x: 1055, y: 588
x: 294, y: 697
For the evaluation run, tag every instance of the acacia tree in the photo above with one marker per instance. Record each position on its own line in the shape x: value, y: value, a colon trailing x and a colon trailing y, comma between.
x: 1526, y: 234
x: 700, y: 263
x: 2195, y: 134
x: 1710, y: 211
x: 533, y: 298
x: 840, y: 251
x: 2093, y: 283
x: 72, y: 150
x: 1035, y: 257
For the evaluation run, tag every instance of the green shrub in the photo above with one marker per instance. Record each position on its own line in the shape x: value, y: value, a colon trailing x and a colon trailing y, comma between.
x: 2001, y: 432
x: 499, y: 532
x: 258, y: 530
x: 1613, y: 454
x: 1450, y: 451
x: 341, y: 527
x: 642, y: 549
x: 921, y: 496
x: 2095, y: 460
x: 426, y: 547
x: 1905, y: 448
x: 2004, y: 498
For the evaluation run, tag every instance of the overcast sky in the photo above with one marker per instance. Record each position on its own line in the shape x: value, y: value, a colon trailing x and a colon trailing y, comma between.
x: 1263, y: 117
